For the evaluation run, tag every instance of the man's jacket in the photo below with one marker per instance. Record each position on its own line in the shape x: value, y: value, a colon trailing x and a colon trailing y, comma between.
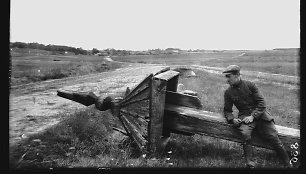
x: 247, y: 99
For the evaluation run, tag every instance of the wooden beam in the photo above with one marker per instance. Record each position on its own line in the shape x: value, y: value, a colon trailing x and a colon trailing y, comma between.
x: 134, y: 131
x: 180, y: 118
x: 121, y: 131
x: 156, y: 113
x: 180, y: 99
x: 139, y: 89
x: 139, y: 123
x: 134, y: 100
x: 166, y: 75
x: 163, y: 70
x: 172, y: 83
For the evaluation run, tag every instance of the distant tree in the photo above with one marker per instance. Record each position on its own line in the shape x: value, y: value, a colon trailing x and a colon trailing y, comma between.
x: 19, y: 45
x: 95, y: 51
x: 81, y: 51
x: 53, y: 48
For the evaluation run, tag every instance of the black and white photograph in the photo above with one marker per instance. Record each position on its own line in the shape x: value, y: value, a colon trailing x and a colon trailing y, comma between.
x: 154, y: 84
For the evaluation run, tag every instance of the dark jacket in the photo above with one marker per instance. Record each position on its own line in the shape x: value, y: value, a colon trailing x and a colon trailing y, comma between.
x: 247, y: 99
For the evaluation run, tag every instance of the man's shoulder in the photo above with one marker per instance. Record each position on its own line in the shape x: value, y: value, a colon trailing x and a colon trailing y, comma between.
x: 248, y: 83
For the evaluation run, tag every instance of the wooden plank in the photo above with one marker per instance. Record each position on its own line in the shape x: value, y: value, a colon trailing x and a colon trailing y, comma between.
x: 156, y: 113
x: 141, y: 87
x: 121, y: 131
x: 183, y: 100
x: 161, y: 71
x: 139, y: 123
x: 172, y: 83
x: 191, y: 120
x: 166, y: 75
x: 134, y: 132
x: 134, y: 101
x: 135, y: 115
x: 142, y: 94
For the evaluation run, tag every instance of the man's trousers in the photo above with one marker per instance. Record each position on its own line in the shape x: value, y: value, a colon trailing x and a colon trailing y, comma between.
x: 267, y: 131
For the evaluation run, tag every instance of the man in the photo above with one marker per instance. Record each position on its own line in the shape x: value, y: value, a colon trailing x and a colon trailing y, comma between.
x: 252, y: 114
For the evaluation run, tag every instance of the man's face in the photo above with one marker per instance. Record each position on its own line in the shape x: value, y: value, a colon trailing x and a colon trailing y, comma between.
x: 231, y: 79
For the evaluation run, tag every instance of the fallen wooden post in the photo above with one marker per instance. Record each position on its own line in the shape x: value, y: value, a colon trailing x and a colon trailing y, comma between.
x: 180, y: 118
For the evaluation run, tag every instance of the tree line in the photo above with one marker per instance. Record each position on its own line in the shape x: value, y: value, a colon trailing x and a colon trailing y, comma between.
x: 57, y: 48
x: 62, y: 49
x: 109, y: 51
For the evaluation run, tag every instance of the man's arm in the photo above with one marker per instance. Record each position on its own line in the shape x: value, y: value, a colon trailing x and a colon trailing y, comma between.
x: 259, y: 100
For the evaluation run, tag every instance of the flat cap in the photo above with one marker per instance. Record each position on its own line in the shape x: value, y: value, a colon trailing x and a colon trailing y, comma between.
x: 232, y: 69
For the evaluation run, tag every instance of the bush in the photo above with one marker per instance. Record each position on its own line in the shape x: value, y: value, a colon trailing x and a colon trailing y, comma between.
x: 56, y: 73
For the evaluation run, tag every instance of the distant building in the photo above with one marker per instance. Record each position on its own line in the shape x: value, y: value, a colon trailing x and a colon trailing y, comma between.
x: 98, y: 54
x: 103, y: 53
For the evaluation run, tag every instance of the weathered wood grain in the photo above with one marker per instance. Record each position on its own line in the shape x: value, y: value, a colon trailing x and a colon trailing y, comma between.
x: 161, y: 71
x: 166, y: 75
x: 183, y: 100
x: 172, y: 83
x: 139, y: 89
x: 156, y: 113
x: 134, y: 114
x: 139, y: 123
x: 179, y: 118
x: 85, y: 98
x: 121, y: 131
x: 134, y: 100
x: 134, y: 132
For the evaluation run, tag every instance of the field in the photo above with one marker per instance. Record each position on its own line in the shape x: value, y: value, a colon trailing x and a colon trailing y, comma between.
x: 272, y: 61
x: 84, y: 138
x: 30, y: 65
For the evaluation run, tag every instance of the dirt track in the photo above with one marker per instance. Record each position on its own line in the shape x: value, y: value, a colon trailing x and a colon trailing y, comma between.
x: 36, y: 106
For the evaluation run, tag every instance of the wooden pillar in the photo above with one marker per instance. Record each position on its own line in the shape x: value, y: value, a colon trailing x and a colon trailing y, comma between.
x: 159, y: 85
x: 157, y: 106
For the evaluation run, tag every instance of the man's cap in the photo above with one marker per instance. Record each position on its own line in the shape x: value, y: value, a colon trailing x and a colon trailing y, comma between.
x: 232, y: 69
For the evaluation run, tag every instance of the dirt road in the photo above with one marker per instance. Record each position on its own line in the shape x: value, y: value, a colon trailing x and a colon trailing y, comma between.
x: 34, y: 107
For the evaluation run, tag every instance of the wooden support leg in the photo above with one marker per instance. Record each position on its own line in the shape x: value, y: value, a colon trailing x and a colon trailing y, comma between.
x: 157, y: 105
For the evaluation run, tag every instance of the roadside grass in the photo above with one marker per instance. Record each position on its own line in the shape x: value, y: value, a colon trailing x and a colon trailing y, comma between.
x: 85, y: 133
x: 82, y: 139
x: 33, y: 71
x: 209, y: 152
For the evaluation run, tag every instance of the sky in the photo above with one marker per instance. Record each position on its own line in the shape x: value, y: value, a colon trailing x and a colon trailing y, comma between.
x: 152, y: 24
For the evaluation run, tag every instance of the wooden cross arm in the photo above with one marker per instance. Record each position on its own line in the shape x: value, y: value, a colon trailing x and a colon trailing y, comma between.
x: 87, y: 99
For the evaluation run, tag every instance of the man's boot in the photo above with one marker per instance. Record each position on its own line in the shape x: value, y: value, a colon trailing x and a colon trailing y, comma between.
x: 248, y: 153
x: 281, y: 151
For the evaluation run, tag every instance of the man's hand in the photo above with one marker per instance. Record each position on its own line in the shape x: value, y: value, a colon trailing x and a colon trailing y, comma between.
x: 248, y: 119
x: 236, y: 121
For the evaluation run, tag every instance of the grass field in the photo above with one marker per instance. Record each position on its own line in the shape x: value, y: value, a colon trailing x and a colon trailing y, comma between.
x: 85, y: 138
x: 284, y: 62
x: 30, y: 65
